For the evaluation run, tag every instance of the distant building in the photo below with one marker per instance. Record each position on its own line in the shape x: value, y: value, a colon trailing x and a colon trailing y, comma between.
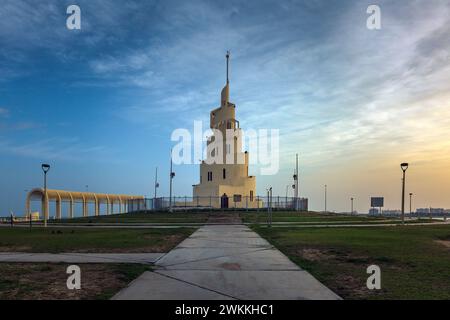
x: 392, y: 212
x: 34, y: 216
x: 431, y: 211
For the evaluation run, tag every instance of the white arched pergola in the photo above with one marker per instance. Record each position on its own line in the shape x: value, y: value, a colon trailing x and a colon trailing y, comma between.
x: 84, y: 197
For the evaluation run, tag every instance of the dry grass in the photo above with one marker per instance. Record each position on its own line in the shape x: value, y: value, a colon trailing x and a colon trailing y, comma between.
x: 45, y: 281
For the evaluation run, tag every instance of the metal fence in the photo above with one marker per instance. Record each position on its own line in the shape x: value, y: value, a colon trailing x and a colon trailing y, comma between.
x: 218, y: 203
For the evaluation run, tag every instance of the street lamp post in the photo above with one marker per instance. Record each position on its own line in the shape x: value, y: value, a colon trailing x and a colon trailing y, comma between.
x: 325, y: 198
x: 296, y: 194
x: 45, y: 169
x: 352, y: 205
x: 410, y: 204
x: 269, y: 207
x: 404, y: 167
x: 172, y: 175
x: 156, y: 188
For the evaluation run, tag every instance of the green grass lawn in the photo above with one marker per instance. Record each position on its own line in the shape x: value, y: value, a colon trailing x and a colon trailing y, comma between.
x: 317, y: 218
x: 414, y: 260
x: 162, y: 217
x: 54, y: 240
x: 32, y: 281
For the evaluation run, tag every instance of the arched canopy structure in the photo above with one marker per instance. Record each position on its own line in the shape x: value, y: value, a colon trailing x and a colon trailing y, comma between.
x: 85, y: 198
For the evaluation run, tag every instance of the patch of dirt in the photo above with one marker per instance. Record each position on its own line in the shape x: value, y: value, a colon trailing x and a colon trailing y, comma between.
x: 231, y: 266
x: 21, y: 281
x: 316, y: 255
x: 351, y: 287
x: 15, y: 249
x: 445, y: 243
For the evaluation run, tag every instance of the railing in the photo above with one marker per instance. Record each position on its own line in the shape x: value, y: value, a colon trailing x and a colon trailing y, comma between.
x: 217, y: 203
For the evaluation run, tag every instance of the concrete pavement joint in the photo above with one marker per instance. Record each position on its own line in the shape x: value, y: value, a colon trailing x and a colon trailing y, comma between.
x: 195, y: 285
x: 217, y: 257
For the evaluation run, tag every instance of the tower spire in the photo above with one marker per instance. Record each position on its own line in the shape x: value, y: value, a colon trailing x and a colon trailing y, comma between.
x: 225, y: 95
x: 228, y: 62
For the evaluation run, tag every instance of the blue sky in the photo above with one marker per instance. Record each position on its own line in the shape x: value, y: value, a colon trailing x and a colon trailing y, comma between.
x: 99, y: 104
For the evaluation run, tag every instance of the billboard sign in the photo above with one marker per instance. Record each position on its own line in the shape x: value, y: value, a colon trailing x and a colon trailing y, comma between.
x: 377, y: 202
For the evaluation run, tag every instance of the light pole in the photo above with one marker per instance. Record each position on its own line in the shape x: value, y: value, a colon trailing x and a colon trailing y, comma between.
x: 45, y: 168
x: 296, y: 182
x: 325, y: 198
x: 269, y: 206
x: 352, y: 205
x: 172, y: 175
x: 156, y: 182
x: 404, y: 167
x: 410, y: 204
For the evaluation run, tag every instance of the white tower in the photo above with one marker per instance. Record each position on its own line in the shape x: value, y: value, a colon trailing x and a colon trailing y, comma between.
x: 224, y: 174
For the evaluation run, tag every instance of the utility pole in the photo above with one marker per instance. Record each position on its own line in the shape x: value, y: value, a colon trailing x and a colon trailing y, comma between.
x: 352, y: 205
x: 325, y: 198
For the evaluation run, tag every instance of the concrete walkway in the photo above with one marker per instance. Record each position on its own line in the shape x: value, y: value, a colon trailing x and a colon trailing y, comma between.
x: 225, y: 262
x: 81, y: 257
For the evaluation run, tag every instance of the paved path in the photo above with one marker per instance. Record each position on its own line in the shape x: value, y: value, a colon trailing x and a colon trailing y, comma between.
x: 225, y: 262
x: 81, y: 257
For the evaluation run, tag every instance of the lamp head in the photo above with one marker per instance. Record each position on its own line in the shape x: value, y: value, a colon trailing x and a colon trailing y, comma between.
x: 45, y: 167
x: 404, y: 166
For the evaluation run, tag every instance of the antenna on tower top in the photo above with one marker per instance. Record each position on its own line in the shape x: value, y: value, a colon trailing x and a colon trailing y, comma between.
x: 228, y: 59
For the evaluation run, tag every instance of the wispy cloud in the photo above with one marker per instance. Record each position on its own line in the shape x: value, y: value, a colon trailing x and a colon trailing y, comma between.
x: 4, y: 112
x: 55, y: 149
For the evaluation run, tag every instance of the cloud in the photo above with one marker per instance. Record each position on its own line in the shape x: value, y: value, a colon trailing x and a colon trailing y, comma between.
x: 4, y: 112
x: 69, y: 149
x: 355, y: 92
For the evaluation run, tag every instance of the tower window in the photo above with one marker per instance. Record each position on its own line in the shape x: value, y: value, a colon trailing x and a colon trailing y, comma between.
x: 209, y: 175
x: 251, y: 195
x: 224, y: 173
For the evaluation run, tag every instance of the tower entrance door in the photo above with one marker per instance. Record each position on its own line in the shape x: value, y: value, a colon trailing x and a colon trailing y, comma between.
x: 224, y: 201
